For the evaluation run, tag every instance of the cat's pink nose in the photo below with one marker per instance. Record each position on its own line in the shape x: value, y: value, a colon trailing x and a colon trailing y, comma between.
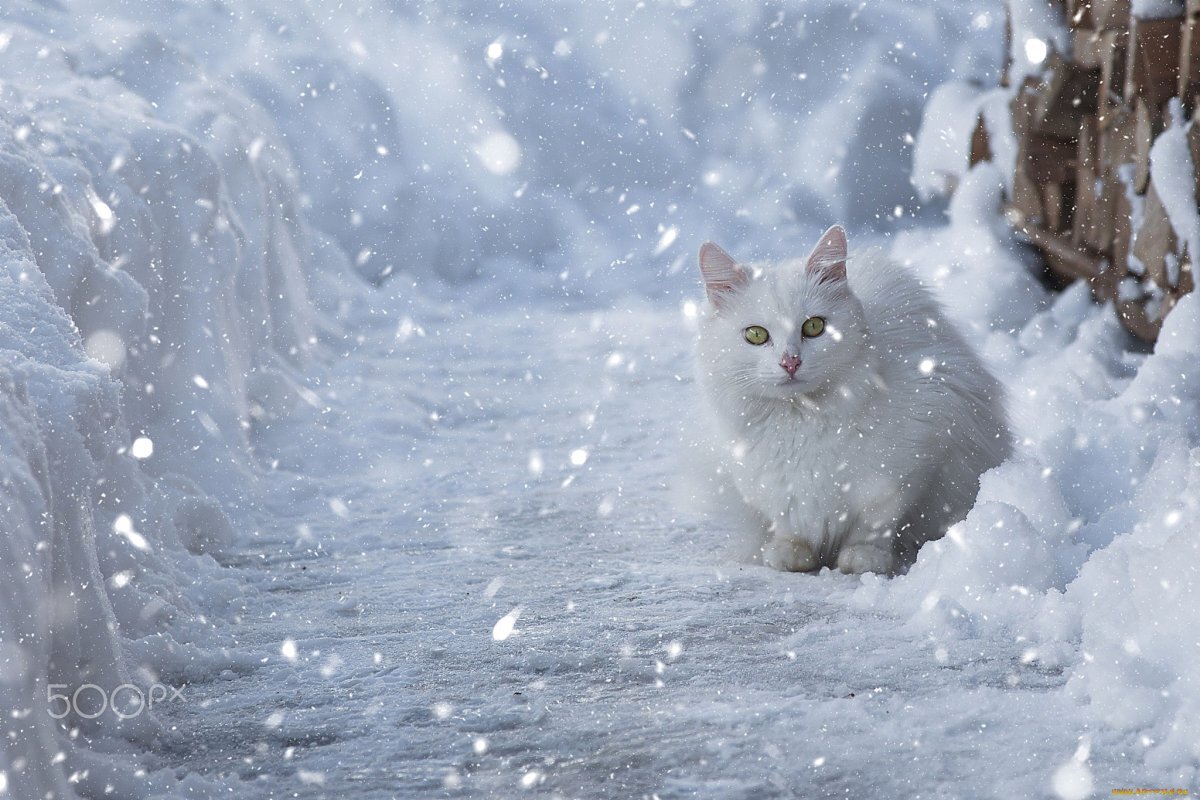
x: 790, y: 364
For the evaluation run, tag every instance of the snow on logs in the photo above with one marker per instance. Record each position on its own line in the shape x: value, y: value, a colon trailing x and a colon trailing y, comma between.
x: 1085, y: 188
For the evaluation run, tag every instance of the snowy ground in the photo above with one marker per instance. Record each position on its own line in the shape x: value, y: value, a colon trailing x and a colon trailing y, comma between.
x: 642, y: 661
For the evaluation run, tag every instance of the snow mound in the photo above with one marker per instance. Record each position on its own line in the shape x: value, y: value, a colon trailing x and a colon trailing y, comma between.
x: 1081, y: 550
x: 152, y: 290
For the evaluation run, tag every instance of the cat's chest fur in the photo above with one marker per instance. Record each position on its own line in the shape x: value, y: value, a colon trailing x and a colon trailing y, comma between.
x: 818, y: 472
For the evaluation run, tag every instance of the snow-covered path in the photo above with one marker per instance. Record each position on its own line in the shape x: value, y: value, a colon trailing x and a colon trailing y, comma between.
x: 642, y: 660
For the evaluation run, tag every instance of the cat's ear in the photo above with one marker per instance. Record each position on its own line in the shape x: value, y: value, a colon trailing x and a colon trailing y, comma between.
x: 722, y: 275
x: 828, y: 258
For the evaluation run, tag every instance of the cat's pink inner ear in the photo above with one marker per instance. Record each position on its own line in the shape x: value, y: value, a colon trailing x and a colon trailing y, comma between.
x: 722, y: 275
x: 828, y: 258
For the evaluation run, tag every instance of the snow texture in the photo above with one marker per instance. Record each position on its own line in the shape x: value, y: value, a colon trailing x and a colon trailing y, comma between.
x: 343, y: 360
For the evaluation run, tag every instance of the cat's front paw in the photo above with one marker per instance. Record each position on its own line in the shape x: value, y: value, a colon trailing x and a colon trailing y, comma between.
x: 856, y: 559
x: 789, y: 555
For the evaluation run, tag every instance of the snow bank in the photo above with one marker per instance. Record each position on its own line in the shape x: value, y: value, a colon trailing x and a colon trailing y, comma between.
x: 942, y: 153
x: 151, y: 290
x: 1082, y: 549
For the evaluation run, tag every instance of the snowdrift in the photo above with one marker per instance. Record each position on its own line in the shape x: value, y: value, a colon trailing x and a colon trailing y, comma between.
x: 152, y: 312
x: 1082, y: 549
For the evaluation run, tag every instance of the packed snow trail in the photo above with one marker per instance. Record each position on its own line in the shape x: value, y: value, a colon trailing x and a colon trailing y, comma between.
x: 501, y: 601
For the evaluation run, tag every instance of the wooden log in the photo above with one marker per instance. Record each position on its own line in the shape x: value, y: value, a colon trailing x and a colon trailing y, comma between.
x: 1054, y: 206
x: 1146, y: 128
x: 981, y: 146
x: 1043, y: 158
x: 1112, y: 68
x: 1169, y: 301
x: 1068, y: 93
x: 1095, y: 192
x: 1098, y: 236
x: 1132, y: 314
x: 1109, y: 234
x: 1026, y: 208
x: 1151, y: 59
x: 1187, y: 276
x: 1086, y: 179
x: 1111, y: 14
x: 1087, y: 47
x: 1155, y: 241
x: 1049, y: 159
x: 1189, y: 63
x: 1021, y: 108
x: 1117, y: 139
x: 1060, y: 256
x: 1107, y: 284
x: 1069, y: 201
x: 1079, y: 15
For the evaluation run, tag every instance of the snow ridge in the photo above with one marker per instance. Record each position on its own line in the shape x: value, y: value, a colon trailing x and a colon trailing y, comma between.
x: 151, y: 280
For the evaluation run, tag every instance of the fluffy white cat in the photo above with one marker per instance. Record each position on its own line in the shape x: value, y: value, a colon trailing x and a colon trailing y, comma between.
x: 851, y: 417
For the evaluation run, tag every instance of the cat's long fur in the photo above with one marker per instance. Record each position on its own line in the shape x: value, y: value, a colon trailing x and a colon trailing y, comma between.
x: 876, y: 445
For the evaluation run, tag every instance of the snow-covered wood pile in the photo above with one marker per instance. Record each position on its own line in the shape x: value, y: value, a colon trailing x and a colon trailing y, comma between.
x: 1104, y: 180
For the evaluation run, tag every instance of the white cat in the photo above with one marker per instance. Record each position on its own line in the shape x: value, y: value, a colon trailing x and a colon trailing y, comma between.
x: 852, y: 418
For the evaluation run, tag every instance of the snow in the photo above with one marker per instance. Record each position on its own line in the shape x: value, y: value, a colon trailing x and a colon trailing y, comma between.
x: 1157, y: 9
x: 1172, y: 172
x: 942, y: 153
x: 1038, y: 29
x: 941, y: 156
x: 414, y: 534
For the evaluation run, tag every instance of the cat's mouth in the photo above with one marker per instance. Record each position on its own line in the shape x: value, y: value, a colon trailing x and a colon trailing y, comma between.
x: 791, y: 383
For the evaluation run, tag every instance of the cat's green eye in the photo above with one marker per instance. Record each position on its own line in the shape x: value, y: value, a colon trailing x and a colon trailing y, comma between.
x: 756, y: 334
x: 813, y: 326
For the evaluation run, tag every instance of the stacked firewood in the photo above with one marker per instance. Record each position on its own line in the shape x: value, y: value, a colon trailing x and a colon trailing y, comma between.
x: 1082, y: 190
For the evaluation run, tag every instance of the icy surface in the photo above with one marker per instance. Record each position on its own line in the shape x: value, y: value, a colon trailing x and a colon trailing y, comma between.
x: 419, y: 539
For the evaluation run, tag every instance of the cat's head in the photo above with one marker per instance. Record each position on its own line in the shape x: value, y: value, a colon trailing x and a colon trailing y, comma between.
x: 784, y: 330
